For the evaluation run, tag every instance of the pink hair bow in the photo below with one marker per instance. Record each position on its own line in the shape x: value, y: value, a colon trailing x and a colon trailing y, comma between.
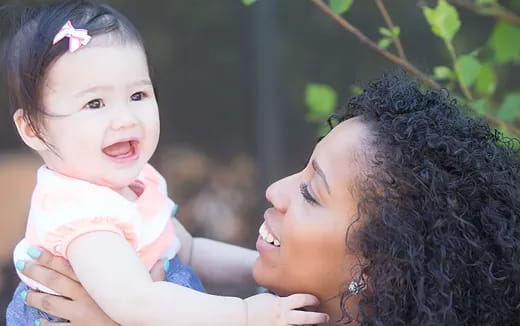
x: 77, y: 37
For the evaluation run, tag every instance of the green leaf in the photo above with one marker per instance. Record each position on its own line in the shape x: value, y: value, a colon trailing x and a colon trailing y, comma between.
x: 505, y: 41
x: 510, y: 108
x: 468, y: 69
x: 321, y: 99
x: 384, y: 42
x: 385, y: 32
x: 442, y: 73
x: 444, y: 20
x: 396, y: 31
x: 356, y: 90
x: 481, y: 106
x: 340, y: 6
x: 486, y: 81
x: 248, y: 2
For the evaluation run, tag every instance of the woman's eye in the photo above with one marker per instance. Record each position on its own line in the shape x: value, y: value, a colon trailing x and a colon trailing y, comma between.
x: 304, y: 190
x: 94, y: 104
x: 138, y: 96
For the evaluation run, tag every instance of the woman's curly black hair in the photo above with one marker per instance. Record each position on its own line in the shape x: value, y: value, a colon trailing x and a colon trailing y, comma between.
x: 441, y: 211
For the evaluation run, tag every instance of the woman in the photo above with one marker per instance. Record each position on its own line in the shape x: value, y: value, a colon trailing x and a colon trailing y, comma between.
x: 408, y: 213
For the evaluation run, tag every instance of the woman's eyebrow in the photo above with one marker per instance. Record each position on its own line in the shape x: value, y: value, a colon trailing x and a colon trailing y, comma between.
x: 319, y: 171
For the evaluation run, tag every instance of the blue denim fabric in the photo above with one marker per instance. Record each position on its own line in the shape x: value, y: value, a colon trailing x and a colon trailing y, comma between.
x: 20, y: 314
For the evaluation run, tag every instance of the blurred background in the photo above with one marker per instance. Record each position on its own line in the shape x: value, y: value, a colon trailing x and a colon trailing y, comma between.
x: 231, y: 82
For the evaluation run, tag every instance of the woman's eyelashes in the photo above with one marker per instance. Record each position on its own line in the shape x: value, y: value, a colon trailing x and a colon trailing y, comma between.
x: 304, y: 190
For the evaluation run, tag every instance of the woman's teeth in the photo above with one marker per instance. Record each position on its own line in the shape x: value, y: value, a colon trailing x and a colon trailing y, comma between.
x: 267, y: 236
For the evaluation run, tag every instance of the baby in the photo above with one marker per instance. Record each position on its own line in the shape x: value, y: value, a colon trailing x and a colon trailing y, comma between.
x: 82, y: 98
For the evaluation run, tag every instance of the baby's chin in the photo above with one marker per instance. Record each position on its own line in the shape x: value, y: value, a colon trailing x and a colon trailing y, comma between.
x: 115, y: 180
x: 116, y: 184
x: 118, y: 179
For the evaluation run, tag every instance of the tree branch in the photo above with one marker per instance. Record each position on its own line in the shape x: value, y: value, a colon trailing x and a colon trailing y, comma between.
x: 453, y: 55
x: 372, y: 45
x: 401, y: 62
x: 497, y: 12
x: 390, y: 24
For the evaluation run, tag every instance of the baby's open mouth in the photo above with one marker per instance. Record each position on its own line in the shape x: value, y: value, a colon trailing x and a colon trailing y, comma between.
x: 121, y: 149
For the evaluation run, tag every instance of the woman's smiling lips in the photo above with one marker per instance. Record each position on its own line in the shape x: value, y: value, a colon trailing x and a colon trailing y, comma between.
x: 267, y: 240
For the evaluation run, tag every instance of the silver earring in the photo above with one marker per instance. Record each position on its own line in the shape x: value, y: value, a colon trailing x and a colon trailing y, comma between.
x: 356, y: 286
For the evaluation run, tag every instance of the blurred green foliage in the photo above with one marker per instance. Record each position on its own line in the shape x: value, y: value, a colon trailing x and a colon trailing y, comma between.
x: 473, y: 77
x: 340, y: 6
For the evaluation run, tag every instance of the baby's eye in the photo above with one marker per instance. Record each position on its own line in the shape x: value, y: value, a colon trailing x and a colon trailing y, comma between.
x: 95, y: 104
x: 138, y: 96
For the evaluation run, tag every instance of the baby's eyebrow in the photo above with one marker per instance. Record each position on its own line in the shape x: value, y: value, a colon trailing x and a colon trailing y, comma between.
x: 142, y: 82
x: 320, y: 172
x: 93, y: 90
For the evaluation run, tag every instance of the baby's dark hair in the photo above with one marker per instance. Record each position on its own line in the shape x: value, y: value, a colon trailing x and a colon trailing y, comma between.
x: 439, y: 211
x: 29, y: 51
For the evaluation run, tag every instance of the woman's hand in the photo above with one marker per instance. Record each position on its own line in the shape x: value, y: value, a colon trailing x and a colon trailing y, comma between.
x: 76, y: 305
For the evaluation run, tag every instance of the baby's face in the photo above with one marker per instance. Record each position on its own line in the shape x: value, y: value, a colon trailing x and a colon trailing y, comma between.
x: 105, y: 123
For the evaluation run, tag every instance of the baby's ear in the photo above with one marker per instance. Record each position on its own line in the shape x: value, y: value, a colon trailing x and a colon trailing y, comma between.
x: 27, y: 133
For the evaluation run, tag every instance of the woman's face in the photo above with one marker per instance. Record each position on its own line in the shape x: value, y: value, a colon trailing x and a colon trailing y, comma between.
x: 302, y: 243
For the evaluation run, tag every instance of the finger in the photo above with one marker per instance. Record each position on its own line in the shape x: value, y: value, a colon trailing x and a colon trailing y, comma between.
x: 44, y: 322
x: 301, y: 300
x: 53, y: 280
x: 51, y: 304
x: 158, y: 272
x: 297, y: 317
x: 56, y: 263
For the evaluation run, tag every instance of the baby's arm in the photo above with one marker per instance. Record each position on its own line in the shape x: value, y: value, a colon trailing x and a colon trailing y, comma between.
x: 216, y: 263
x: 119, y: 283
x: 116, y: 278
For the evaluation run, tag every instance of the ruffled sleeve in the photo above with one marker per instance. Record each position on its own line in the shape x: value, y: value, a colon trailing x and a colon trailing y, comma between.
x: 58, y: 240
x: 63, y: 209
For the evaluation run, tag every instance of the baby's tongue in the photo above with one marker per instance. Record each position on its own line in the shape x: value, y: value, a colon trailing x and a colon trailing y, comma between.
x: 118, y: 149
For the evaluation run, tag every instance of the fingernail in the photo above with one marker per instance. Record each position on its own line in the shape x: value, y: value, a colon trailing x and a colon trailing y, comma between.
x: 20, y: 265
x: 175, y: 210
x: 37, y: 322
x: 35, y: 253
x: 166, y: 264
x: 23, y: 295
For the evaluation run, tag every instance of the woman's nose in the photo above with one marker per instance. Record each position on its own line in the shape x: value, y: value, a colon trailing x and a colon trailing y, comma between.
x: 278, y: 195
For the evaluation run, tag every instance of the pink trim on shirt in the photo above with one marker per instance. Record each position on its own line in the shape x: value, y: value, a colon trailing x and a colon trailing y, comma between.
x: 64, y: 208
x: 161, y: 244
x: 58, y: 240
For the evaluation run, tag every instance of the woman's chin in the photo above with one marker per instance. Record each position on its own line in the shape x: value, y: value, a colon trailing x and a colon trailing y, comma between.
x: 264, y: 277
x: 267, y: 279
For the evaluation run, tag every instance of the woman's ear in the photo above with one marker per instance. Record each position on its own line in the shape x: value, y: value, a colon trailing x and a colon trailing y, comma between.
x: 27, y: 133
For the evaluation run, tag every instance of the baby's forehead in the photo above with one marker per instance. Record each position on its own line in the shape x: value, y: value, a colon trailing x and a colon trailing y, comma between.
x: 97, y: 68
x: 113, y: 38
